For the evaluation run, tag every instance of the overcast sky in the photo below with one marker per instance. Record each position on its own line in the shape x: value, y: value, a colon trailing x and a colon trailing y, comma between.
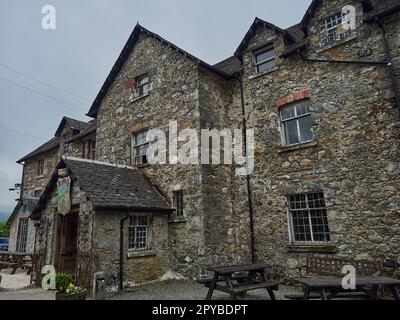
x: 78, y: 55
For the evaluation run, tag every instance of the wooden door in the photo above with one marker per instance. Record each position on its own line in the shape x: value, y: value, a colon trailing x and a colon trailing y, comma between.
x: 67, y: 235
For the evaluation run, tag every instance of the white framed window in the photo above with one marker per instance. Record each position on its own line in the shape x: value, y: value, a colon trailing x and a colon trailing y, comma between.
x: 178, y: 204
x: 138, y: 233
x: 296, y: 123
x: 65, y: 143
x: 308, y: 218
x: 142, y: 85
x: 140, y: 147
x: 39, y: 167
x: 265, y: 60
x: 22, y: 235
x: 332, y: 29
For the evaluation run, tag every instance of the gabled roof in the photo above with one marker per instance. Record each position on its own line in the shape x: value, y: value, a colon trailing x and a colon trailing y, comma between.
x: 14, y: 214
x: 91, y: 129
x: 257, y: 22
x: 134, y: 37
x: 49, y: 145
x: 108, y: 187
x: 73, y: 124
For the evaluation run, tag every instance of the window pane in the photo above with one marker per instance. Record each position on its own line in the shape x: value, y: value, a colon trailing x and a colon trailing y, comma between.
x: 266, y: 66
x: 291, y: 132
x: 303, y: 108
x: 265, y: 56
x: 305, y: 125
x: 288, y: 113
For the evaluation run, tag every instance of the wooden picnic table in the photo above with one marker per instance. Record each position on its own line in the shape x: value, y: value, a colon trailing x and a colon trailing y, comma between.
x: 235, y: 285
x: 368, y: 285
x: 15, y: 261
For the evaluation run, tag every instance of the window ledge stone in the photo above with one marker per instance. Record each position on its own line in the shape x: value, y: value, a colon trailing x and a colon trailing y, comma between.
x: 298, y: 146
x: 176, y: 221
x: 259, y: 75
x: 312, y: 248
x: 134, y: 99
x: 141, y: 254
x: 337, y: 44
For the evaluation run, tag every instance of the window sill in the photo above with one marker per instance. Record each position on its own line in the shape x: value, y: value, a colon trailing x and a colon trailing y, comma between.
x: 177, y: 221
x: 298, y: 146
x: 337, y: 44
x: 141, y: 254
x: 259, y: 75
x: 134, y: 99
x: 312, y: 248
x: 39, y: 177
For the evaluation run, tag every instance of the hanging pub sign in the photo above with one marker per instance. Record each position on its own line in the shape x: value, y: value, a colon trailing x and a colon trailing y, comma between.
x: 63, y: 195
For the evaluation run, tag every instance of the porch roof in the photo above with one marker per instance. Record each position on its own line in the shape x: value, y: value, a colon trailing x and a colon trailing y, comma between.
x: 108, y: 187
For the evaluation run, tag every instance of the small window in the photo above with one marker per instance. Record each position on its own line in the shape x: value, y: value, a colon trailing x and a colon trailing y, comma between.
x: 332, y: 29
x: 308, y: 218
x: 40, y: 167
x: 178, y: 203
x: 138, y: 234
x: 37, y: 193
x: 22, y: 235
x: 142, y: 85
x: 297, y: 123
x: 140, y: 146
x: 65, y: 143
x: 91, y: 150
x: 265, y: 60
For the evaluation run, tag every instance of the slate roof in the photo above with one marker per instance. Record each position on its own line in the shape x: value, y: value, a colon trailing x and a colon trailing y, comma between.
x: 73, y: 124
x: 49, y: 145
x: 108, y: 187
x: 231, y: 65
x: 92, y: 128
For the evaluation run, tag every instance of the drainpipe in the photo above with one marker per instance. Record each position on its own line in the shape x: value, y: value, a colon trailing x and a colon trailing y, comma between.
x: 390, y: 64
x: 121, y: 253
x: 248, y: 181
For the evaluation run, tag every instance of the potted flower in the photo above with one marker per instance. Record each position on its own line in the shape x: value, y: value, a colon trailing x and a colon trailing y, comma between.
x: 66, y: 290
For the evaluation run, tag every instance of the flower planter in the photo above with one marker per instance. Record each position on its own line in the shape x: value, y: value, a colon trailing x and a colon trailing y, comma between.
x: 76, y: 296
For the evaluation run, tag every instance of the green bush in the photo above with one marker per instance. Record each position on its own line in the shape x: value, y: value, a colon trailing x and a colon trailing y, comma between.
x: 63, y: 282
x: 4, y: 231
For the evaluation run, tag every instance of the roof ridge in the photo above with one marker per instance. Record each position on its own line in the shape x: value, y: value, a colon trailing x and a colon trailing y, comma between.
x: 102, y: 163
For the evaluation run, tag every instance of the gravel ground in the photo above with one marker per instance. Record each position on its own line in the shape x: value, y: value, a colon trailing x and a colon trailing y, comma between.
x: 187, y: 290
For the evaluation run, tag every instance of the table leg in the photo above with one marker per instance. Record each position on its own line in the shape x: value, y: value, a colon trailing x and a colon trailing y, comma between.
x: 18, y: 263
x: 228, y: 281
x: 374, y: 293
x: 322, y: 293
x: 211, y: 289
x: 395, y: 292
x: 307, y: 292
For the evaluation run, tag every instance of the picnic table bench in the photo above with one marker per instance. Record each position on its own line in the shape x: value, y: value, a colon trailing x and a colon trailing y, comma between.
x: 368, y: 285
x: 236, y: 285
x: 15, y: 261
x: 324, y: 274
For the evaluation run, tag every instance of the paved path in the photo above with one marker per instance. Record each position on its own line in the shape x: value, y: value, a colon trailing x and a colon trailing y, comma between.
x: 27, y: 294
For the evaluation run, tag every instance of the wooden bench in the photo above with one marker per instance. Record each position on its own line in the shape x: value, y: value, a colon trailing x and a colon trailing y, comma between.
x: 332, y: 267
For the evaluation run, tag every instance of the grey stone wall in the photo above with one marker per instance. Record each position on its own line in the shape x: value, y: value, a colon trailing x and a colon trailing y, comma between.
x: 139, y: 268
x: 354, y: 159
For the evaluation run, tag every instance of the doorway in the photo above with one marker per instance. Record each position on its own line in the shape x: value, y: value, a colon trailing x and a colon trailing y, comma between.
x: 67, y: 242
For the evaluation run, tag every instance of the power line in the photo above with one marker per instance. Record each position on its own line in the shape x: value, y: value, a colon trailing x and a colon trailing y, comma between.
x: 42, y: 94
x: 21, y: 133
x: 43, y: 82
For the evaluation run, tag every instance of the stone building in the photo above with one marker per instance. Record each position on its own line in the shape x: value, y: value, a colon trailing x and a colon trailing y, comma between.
x: 38, y: 166
x: 322, y: 98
